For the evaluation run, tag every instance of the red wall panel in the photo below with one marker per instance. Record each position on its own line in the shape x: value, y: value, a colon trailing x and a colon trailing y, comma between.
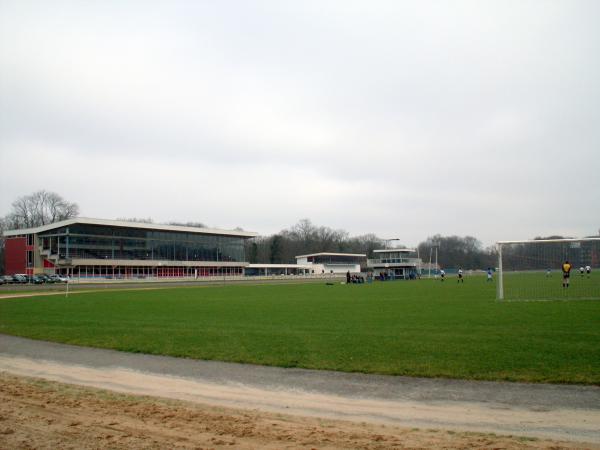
x: 15, y: 256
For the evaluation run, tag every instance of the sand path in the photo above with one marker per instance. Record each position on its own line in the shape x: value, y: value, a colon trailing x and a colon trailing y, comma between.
x: 569, y: 413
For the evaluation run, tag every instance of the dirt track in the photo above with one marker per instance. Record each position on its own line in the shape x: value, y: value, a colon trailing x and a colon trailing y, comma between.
x: 564, y: 413
x: 41, y: 414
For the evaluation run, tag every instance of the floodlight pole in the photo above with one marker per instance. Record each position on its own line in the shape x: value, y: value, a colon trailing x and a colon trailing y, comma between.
x: 430, y: 253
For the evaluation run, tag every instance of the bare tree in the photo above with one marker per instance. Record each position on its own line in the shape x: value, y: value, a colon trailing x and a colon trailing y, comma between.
x: 40, y: 208
x: 188, y: 224
x: 305, y: 237
x: 458, y: 251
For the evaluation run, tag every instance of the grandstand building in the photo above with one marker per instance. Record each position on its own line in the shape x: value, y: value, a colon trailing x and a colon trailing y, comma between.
x: 97, y: 248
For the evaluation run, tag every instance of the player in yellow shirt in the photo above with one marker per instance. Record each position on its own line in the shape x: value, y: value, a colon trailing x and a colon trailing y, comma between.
x: 566, y: 270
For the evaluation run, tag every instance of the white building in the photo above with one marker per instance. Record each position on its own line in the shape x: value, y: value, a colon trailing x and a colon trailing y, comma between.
x: 395, y: 263
x: 339, y: 263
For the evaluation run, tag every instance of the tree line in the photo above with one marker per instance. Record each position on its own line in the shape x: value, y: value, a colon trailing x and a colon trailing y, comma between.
x: 305, y: 238
x: 458, y: 252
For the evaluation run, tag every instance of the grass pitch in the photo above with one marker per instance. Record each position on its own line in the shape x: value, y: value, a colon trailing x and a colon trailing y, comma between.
x: 417, y: 328
x: 536, y: 285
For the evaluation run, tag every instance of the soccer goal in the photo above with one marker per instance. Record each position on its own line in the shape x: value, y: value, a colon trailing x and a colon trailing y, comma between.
x: 532, y: 270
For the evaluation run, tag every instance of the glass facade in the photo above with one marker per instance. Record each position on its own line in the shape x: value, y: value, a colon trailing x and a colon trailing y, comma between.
x: 85, y: 241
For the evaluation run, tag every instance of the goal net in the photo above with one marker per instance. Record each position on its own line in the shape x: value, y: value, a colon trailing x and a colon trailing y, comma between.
x: 532, y: 270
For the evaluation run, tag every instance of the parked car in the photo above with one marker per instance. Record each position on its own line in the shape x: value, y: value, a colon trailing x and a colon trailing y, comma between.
x: 20, y: 278
x: 34, y: 279
x: 59, y: 278
x: 45, y: 278
x: 11, y: 279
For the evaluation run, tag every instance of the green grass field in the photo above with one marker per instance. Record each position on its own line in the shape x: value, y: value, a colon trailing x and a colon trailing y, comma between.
x: 536, y: 285
x: 418, y: 328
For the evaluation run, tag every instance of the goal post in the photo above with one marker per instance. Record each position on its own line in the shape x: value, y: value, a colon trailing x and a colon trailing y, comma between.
x: 532, y: 269
x: 500, y: 277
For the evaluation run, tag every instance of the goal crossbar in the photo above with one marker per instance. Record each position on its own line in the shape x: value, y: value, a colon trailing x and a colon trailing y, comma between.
x: 538, y: 241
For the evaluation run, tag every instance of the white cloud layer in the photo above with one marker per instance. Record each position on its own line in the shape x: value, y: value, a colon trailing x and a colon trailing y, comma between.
x: 404, y: 119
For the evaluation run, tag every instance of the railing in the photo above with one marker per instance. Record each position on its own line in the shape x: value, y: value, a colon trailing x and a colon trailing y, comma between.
x: 378, y: 262
x: 352, y: 263
x: 81, y: 278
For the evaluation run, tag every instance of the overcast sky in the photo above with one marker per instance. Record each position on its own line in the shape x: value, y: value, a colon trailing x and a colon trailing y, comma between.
x: 403, y: 119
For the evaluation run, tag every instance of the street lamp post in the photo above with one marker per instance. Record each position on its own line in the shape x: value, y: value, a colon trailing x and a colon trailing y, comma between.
x: 386, y: 246
x: 434, y: 245
x: 389, y: 240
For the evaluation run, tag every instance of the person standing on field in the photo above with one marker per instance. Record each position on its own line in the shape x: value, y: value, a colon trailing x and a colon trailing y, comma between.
x: 588, y: 269
x: 460, y: 276
x: 489, y: 274
x: 442, y: 274
x: 566, y: 270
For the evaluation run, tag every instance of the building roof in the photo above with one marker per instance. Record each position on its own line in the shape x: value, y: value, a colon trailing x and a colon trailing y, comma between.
x: 395, y: 250
x: 126, y: 224
x: 332, y: 254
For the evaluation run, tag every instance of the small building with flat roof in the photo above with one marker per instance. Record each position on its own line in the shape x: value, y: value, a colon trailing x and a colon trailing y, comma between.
x: 333, y: 263
x: 402, y: 263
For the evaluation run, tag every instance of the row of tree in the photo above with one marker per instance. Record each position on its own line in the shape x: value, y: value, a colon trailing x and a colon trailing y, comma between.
x: 305, y: 238
x: 456, y: 251
x: 42, y: 207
